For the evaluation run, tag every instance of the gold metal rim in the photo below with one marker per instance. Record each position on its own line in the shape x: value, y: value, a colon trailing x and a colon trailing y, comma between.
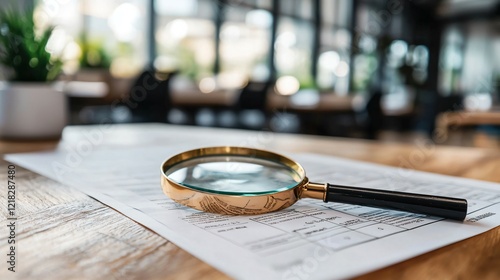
x: 232, y: 204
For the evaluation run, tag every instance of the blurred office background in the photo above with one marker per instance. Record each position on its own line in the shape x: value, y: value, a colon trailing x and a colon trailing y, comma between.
x: 390, y: 70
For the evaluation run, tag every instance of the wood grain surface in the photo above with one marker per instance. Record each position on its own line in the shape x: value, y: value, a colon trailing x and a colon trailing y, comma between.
x: 64, y: 234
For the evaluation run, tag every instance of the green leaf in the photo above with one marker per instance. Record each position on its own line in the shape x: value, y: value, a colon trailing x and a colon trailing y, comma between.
x: 23, y: 51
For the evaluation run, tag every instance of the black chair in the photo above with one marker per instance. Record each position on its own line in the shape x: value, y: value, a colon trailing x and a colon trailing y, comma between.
x: 360, y: 122
x: 250, y: 107
x: 368, y: 121
x: 375, y: 115
x: 253, y: 96
x: 430, y: 104
x: 149, y: 97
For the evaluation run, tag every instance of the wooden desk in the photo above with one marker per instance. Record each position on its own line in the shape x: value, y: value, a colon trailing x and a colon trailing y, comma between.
x: 195, y: 98
x: 64, y: 234
x: 328, y: 102
x: 447, y: 120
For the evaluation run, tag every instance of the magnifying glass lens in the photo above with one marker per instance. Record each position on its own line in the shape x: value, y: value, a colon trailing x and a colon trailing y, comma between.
x: 234, y: 175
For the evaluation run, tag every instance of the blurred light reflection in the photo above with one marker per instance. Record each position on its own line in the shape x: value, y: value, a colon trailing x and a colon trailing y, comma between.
x: 287, y: 85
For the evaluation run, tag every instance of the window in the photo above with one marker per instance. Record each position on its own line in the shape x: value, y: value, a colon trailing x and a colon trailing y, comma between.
x: 244, y: 43
x: 97, y: 34
x: 185, y: 37
x: 335, y: 49
x: 294, y: 42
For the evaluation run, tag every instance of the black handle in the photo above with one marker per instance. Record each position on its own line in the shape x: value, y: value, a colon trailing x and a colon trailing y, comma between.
x: 446, y: 207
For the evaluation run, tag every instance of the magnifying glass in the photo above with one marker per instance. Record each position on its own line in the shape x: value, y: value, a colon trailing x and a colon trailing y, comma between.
x: 246, y: 181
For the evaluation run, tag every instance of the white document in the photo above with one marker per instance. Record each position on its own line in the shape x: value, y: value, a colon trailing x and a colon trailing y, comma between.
x: 310, y: 240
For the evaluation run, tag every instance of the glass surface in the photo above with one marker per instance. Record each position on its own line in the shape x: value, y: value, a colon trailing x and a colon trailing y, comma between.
x: 234, y: 175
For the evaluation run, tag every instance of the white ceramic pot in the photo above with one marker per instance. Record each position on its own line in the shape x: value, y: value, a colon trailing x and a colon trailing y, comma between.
x: 32, y: 111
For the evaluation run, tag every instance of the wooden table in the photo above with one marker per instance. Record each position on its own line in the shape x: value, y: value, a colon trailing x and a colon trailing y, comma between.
x: 64, y: 234
x: 447, y: 120
x: 327, y: 102
x: 193, y: 97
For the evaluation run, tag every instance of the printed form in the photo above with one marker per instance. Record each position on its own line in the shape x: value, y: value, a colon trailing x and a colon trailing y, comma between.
x: 310, y: 240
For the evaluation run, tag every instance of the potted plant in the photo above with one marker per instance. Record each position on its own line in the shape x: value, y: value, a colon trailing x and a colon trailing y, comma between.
x: 30, y: 105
